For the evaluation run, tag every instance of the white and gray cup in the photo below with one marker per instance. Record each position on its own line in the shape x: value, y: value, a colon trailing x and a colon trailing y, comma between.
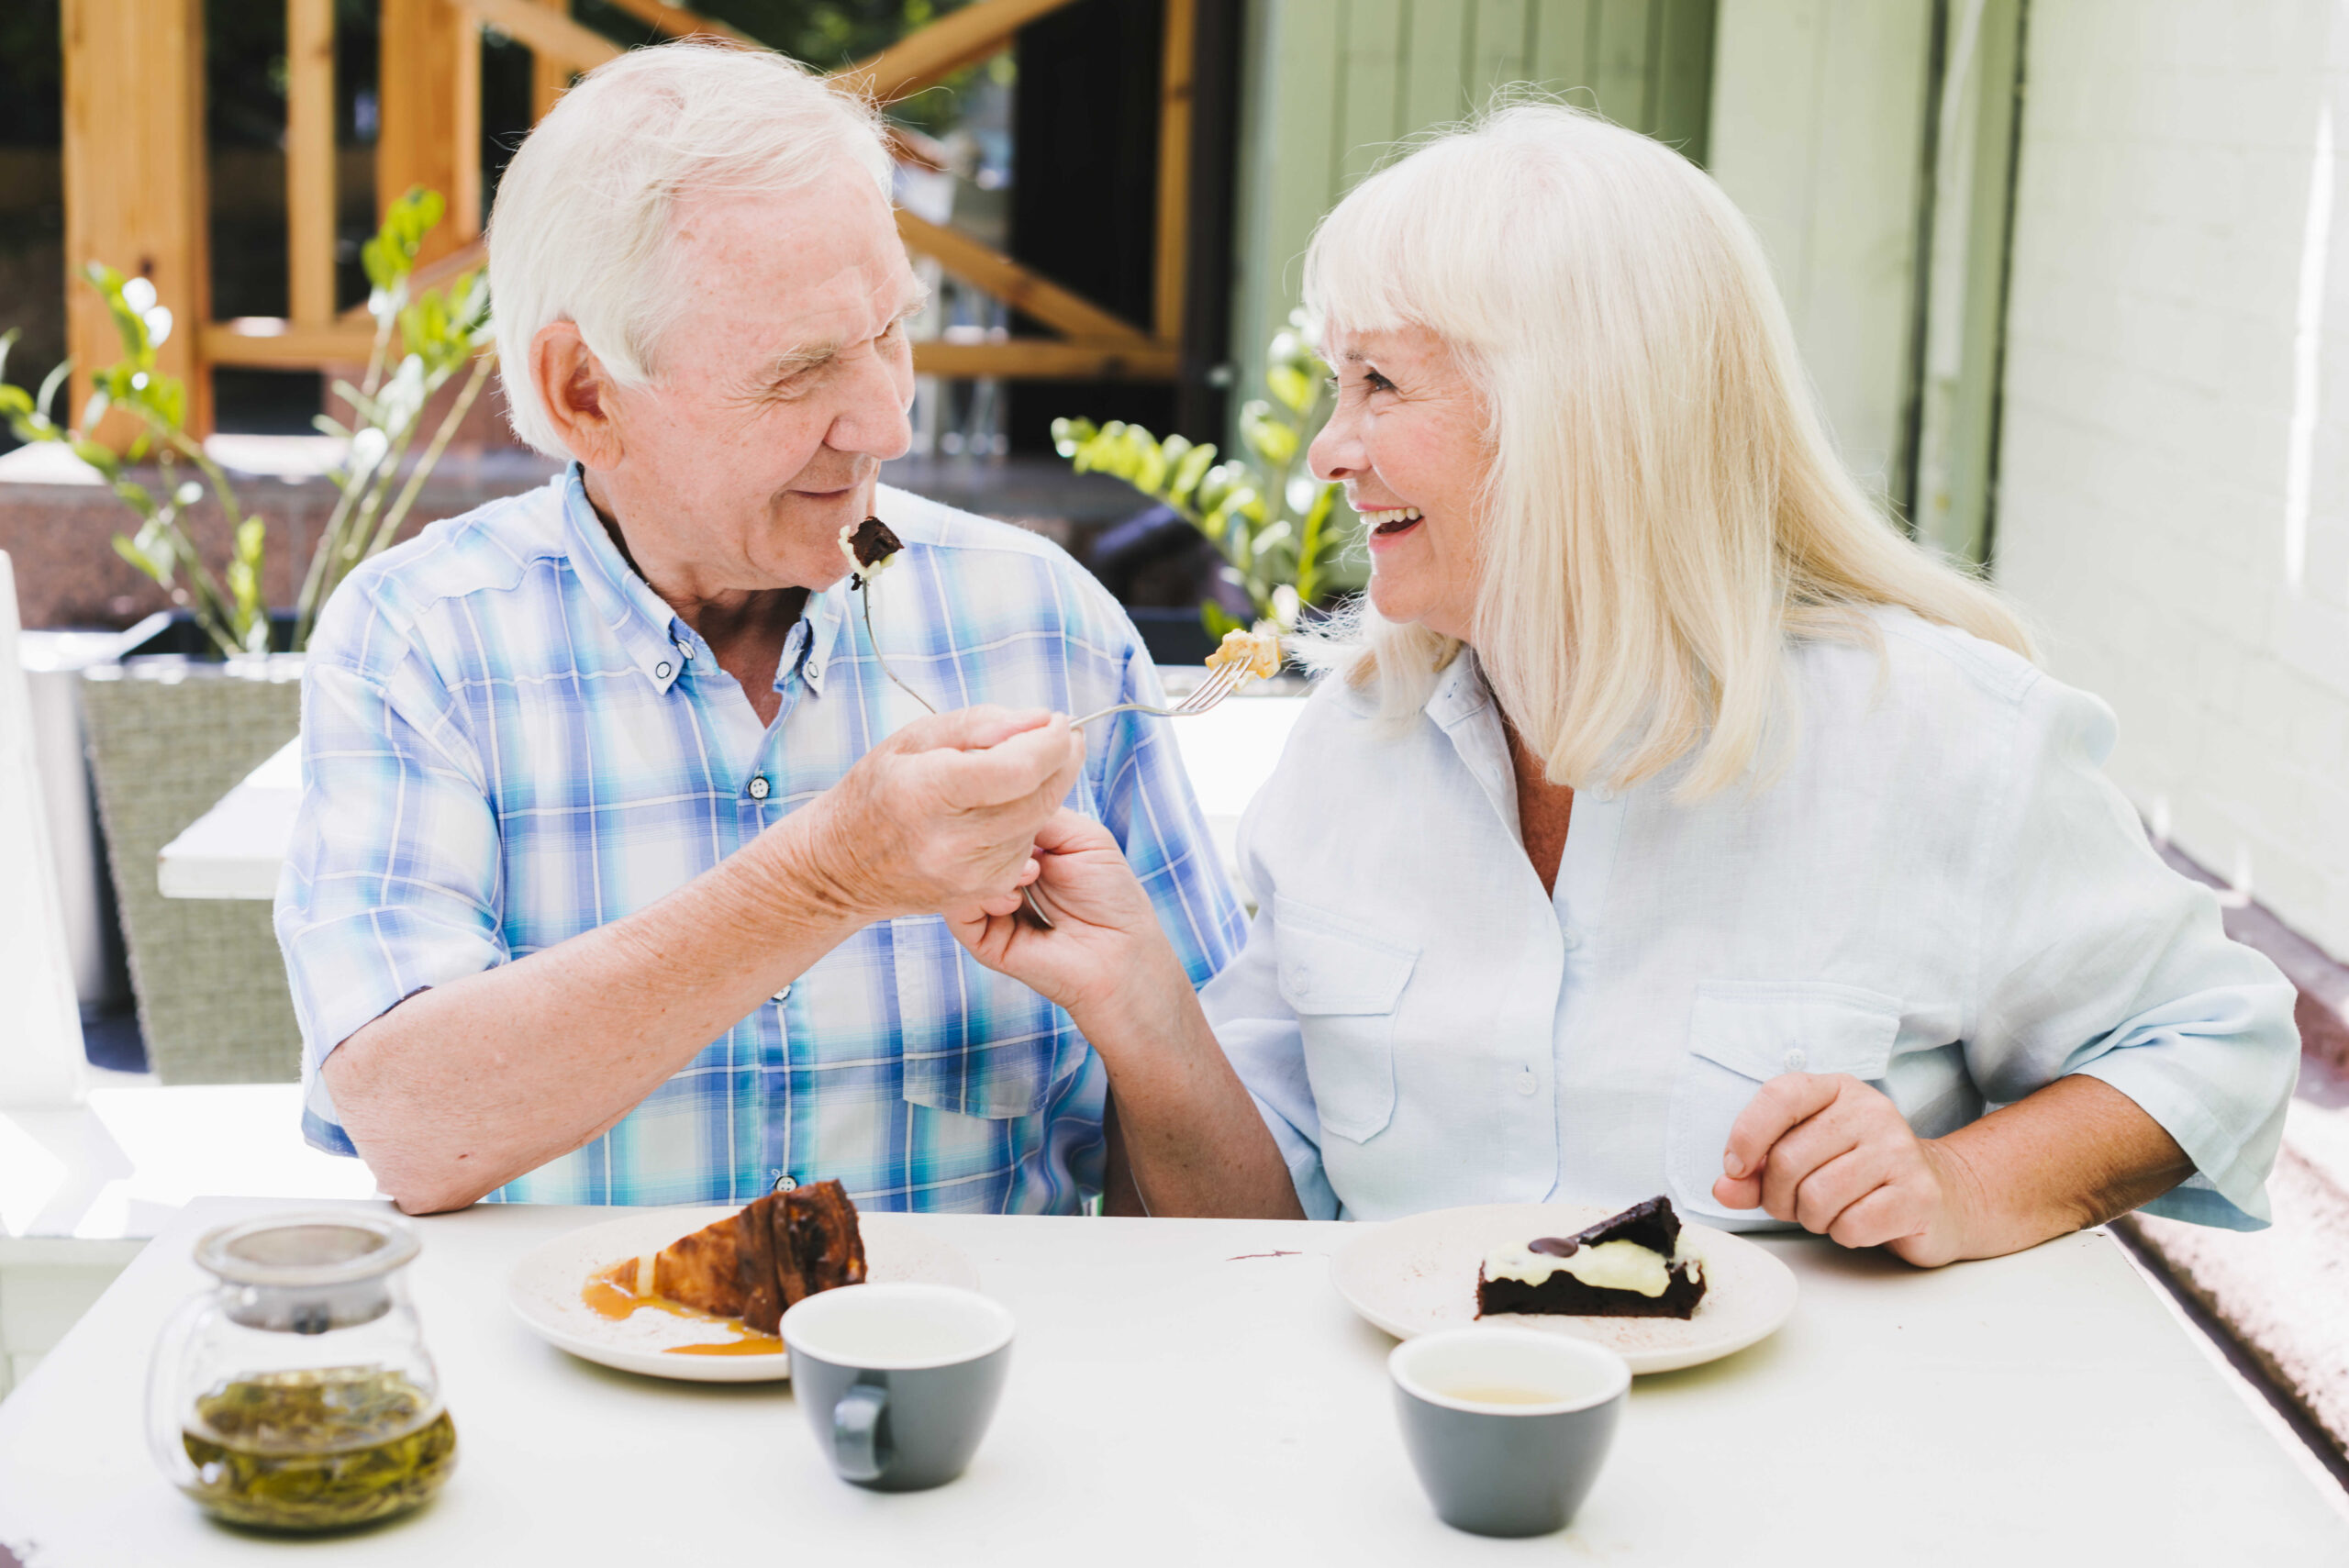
x: 898, y: 1381
x: 1507, y: 1428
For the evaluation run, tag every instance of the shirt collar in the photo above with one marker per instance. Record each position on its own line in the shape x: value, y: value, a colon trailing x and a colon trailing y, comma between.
x: 655, y: 638
x: 648, y: 630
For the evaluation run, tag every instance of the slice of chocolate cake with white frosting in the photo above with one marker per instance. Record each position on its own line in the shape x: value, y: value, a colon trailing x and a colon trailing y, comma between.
x: 1630, y: 1266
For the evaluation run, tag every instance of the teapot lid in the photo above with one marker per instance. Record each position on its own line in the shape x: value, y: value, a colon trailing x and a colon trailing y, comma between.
x: 306, y: 1250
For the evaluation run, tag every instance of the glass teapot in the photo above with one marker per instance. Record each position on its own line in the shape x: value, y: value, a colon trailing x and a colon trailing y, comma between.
x: 296, y: 1394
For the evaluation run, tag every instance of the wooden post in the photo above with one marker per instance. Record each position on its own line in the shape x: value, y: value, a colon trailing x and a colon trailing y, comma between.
x: 309, y: 160
x: 430, y: 135
x: 135, y: 187
x: 549, y: 77
x: 1174, y: 167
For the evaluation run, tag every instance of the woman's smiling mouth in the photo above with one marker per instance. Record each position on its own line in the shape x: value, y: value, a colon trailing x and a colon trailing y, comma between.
x: 1391, y: 523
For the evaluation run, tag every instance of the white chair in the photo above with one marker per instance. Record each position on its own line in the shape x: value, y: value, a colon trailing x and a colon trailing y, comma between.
x: 40, y: 1022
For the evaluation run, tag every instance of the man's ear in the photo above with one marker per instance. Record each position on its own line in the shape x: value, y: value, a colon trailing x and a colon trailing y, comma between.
x: 577, y: 394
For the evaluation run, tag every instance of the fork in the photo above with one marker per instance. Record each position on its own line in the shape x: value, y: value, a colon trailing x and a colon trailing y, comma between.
x: 864, y: 591
x: 1221, y: 684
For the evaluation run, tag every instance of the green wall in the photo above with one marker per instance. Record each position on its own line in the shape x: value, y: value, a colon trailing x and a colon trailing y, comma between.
x: 1330, y: 88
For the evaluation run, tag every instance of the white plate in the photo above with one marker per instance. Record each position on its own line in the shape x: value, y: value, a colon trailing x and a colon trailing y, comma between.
x: 1415, y: 1275
x: 545, y: 1284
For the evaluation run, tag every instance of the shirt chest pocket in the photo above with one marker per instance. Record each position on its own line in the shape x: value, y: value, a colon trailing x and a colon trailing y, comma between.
x: 973, y: 1041
x: 1744, y: 1033
x: 1345, y: 987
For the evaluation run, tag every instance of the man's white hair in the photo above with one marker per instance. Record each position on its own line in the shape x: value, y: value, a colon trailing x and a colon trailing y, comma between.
x: 1665, y: 511
x: 586, y: 215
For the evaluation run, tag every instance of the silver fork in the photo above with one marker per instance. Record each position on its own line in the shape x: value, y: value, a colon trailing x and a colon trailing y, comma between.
x: 1219, y: 685
x: 864, y: 591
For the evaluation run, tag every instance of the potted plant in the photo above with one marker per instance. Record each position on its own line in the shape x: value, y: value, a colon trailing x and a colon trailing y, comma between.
x: 170, y: 733
x: 1283, y: 535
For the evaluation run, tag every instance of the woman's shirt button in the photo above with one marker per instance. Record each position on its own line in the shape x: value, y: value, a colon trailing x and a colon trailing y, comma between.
x: 1527, y: 1082
x: 1300, y: 980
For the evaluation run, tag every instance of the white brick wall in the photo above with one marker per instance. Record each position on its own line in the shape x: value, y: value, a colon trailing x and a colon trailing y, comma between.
x: 2160, y: 219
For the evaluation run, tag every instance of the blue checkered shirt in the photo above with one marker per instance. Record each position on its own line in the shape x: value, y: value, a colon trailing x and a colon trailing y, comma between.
x: 508, y: 740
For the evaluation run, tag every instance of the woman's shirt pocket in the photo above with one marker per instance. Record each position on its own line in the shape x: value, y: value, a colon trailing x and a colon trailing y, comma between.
x: 1742, y: 1034
x: 1344, y: 986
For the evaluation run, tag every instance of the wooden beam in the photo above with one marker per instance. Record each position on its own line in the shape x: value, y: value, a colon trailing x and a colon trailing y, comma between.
x: 267, y: 340
x: 1014, y: 285
x: 134, y: 186
x: 431, y: 94
x: 310, y: 159
x: 550, y: 77
x: 1047, y: 359
x: 1174, y: 167
x: 549, y: 34
x: 931, y: 53
x: 676, y: 22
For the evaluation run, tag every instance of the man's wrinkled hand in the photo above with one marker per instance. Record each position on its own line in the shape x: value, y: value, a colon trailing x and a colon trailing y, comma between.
x: 941, y: 816
x: 1828, y: 1152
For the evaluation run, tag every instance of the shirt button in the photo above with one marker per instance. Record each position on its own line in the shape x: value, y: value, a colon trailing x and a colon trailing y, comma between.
x: 1794, y: 1061
x: 1571, y: 938
x: 786, y: 1183
x: 661, y: 669
x: 1527, y: 1083
x: 781, y: 995
x: 684, y: 651
x: 815, y: 671
x: 1300, y: 980
x: 759, y: 787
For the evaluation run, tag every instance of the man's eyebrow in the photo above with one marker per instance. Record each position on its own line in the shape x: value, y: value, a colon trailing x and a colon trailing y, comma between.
x: 809, y: 356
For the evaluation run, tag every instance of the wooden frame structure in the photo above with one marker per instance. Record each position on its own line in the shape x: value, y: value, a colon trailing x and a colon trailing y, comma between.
x: 135, y: 191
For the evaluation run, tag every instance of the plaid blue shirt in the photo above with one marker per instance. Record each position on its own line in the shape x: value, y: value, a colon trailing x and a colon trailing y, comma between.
x: 508, y: 740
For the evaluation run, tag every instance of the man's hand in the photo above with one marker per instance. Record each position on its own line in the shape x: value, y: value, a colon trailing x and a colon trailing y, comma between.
x: 1836, y: 1156
x: 1104, y: 959
x: 939, y: 818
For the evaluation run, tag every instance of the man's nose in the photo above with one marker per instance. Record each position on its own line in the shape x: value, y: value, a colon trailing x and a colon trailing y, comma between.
x: 875, y: 419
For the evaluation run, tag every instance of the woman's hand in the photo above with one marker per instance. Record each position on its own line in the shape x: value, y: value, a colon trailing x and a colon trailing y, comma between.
x: 1836, y: 1157
x: 1104, y: 959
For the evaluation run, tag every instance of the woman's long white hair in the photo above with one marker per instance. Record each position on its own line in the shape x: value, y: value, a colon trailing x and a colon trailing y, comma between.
x: 1664, y: 512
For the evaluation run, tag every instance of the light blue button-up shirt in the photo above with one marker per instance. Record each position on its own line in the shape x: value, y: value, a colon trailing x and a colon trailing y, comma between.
x: 508, y: 740
x: 1941, y: 894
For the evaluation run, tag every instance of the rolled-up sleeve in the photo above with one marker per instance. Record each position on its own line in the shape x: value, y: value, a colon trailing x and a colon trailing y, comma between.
x: 1259, y: 1033
x: 2099, y: 959
x: 391, y: 883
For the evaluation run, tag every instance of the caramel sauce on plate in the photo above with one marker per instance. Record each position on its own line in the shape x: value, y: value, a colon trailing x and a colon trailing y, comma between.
x: 610, y: 1294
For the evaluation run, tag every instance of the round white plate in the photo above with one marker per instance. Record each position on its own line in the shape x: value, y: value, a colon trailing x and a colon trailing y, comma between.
x: 545, y: 1284
x: 1414, y: 1275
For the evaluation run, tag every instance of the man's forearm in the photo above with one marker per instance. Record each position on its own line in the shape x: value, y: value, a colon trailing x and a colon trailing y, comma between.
x: 465, y: 1086
x: 2071, y: 1155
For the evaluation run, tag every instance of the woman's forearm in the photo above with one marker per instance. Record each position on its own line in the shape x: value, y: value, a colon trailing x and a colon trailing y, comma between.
x: 2071, y: 1155
x: 1191, y: 1133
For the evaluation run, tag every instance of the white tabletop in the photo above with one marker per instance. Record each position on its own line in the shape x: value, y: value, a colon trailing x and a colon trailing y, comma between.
x: 235, y: 849
x: 1178, y: 1396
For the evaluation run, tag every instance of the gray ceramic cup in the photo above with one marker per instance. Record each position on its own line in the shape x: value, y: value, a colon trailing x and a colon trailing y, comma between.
x: 898, y: 1381
x: 1507, y: 1428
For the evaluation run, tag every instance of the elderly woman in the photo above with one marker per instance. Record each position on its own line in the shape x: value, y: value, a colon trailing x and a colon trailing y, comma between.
x: 1667, y: 822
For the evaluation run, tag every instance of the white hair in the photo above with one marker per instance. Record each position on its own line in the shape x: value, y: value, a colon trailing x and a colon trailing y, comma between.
x: 585, y: 217
x: 1665, y: 511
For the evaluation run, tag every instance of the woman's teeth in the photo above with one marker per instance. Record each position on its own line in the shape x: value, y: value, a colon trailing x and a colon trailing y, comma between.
x: 1400, y: 515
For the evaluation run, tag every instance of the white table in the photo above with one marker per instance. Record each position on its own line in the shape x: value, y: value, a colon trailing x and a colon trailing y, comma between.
x: 1179, y: 1397
x: 235, y: 849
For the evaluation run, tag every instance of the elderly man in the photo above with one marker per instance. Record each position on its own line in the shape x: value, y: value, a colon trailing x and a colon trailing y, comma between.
x: 621, y: 860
